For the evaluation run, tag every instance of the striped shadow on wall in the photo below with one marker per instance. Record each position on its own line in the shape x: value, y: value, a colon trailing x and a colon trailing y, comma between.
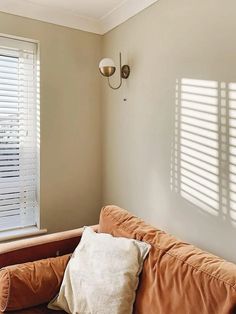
x: 203, y: 166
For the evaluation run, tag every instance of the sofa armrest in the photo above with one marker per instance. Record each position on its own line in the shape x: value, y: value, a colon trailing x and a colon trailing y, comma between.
x: 32, y: 249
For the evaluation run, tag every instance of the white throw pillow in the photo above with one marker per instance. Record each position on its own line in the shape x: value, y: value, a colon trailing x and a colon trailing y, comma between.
x: 102, y: 275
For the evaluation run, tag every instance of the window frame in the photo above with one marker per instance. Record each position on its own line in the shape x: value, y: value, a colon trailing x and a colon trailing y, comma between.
x: 17, y: 232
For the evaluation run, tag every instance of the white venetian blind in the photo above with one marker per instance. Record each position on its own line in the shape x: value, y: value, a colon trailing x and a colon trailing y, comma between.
x: 19, y: 134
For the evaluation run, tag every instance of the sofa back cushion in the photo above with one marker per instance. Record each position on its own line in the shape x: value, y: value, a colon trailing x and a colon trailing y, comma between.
x: 177, y: 277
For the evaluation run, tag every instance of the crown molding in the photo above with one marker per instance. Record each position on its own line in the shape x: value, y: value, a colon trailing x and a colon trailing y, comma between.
x: 122, y: 13
x: 118, y: 15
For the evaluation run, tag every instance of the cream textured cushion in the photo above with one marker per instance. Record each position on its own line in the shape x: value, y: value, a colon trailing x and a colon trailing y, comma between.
x: 102, y: 275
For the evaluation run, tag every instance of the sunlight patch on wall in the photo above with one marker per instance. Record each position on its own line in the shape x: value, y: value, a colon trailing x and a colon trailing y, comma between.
x: 195, y: 167
x: 203, y: 166
x: 232, y: 149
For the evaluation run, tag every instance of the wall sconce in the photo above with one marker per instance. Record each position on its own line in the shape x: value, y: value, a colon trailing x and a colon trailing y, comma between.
x: 107, y: 68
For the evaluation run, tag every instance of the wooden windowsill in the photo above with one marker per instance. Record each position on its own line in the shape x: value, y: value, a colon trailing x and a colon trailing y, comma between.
x: 20, y: 233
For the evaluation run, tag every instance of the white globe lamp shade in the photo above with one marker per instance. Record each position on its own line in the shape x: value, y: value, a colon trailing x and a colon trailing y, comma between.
x: 107, y: 67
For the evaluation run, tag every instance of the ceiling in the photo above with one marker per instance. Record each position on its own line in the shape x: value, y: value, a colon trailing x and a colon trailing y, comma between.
x: 97, y: 16
x: 87, y: 8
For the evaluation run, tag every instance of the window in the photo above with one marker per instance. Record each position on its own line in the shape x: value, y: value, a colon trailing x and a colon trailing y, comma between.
x: 19, y: 134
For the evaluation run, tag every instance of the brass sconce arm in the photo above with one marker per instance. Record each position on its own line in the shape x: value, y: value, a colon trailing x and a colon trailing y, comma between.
x: 120, y: 78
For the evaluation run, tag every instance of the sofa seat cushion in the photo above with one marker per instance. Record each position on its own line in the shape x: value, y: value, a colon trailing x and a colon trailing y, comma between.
x: 177, y: 277
x: 41, y: 309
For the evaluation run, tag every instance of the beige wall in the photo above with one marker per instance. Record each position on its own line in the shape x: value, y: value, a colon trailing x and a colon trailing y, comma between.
x: 170, y: 40
x: 70, y: 121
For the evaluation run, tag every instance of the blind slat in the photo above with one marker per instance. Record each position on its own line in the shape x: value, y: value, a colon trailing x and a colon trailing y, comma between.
x: 5, y: 192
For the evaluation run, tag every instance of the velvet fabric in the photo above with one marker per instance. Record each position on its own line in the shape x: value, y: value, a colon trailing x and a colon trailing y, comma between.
x: 36, y: 248
x: 40, y: 309
x: 30, y: 284
x: 177, y: 277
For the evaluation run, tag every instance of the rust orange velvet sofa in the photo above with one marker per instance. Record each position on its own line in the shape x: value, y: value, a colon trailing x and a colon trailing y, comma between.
x: 177, y: 277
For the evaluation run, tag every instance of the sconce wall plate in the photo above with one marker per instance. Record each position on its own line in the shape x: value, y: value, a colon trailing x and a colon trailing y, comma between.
x: 107, y: 68
x: 125, y: 71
